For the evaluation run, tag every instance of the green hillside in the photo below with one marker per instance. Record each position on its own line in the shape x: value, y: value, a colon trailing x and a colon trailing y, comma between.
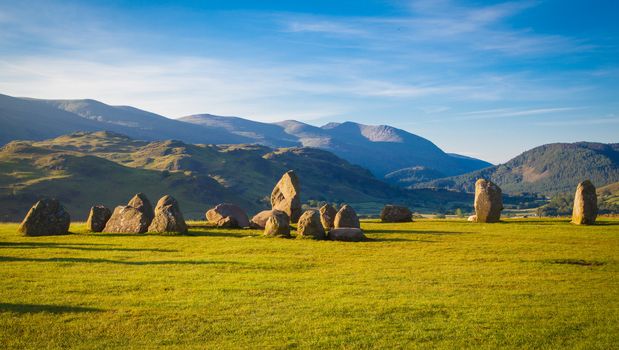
x: 84, y: 169
x: 548, y: 169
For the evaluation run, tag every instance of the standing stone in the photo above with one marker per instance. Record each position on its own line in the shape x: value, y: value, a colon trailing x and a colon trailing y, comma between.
x: 488, y: 201
x: 260, y: 220
x: 327, y: 216
x: 135, y: 217
x: 126, y: 219
x: 168, y: 217
x: 227, y: 215
x: 276, y: 226
x: 46, y: 217
x: 346, y: 217
x: 585, y: 204
x: 396, y: 213
x: 97, y: 218
x: 310, y: 226
x: 141, y: 203
x: 347, y: 234
x: 286, y: 196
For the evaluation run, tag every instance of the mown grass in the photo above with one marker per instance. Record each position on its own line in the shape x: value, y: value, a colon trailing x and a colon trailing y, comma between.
x: 428, y: 284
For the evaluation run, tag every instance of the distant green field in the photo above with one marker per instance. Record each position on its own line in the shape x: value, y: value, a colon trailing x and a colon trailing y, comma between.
x: 533, y: 283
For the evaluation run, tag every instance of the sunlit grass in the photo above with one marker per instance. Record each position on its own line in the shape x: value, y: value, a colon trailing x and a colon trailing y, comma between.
x: 431, y: 283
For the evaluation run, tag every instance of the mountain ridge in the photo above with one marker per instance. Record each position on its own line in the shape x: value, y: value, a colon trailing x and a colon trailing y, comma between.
x: 548, y: 169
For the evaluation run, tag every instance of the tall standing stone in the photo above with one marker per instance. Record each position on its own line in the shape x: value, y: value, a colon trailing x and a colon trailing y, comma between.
x: 286, y: 196
x: 142, y: 204
x: 97, y: 218
x: 168, y: 217
x: 46, y: 217
x: 310, y: 226
x: 585, y: 204
x: 488, y: 201
x: 327, y: 216
x: 346, y: 217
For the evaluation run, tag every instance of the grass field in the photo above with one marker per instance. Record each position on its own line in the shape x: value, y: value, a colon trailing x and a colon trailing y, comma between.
x: 531, y: 283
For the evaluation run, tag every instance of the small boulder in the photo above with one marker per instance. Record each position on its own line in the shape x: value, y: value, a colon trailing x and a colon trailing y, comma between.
x: 346, y: 217
x: 286, y: 196
x: 236, y: 215
x: 276, y: 226
x: 46, y: 217
x: 472, y: 218
x: 346, y: 234
x: 396, y: 213
x: 260, y: 220
x: 327, y: 216
x: 227, y: 222
x: 168, y: 217
x: 97, y: 218
x: 309, y: 225
x: 488, y: 201
x: 585, y: 204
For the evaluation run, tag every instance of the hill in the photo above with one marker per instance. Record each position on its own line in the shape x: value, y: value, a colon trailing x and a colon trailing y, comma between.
x: 548, y: 169
x: 380, y: 148
x: 34, y: 119
x: 87, y: 168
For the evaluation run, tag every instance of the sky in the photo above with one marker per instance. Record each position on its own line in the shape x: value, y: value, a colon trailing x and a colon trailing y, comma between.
x: 488, y: 79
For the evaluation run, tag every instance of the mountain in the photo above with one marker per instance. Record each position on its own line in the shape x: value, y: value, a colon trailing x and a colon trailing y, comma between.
x: 380, y: 148
x: 34, y: 119
x: 547, y: 169
x: 88, y: 168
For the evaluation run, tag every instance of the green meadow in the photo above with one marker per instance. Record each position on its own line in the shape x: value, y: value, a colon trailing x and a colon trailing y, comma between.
x: 526, y: 283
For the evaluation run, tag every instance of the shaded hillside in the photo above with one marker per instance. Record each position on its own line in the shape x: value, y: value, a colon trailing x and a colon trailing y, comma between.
x: 380, y: 148
x: 33, y: 119
x: 548, y: 169
x: 84, y: 169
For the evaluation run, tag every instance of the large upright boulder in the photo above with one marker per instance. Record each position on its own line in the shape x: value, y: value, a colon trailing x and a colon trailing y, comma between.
x: 488, y: 201
x: 168, y: 217
x: 310, y: 226
x: 396, y: 213
x: 141, y: 203
x: 227, y: 215
x: 135, y: 217
x: 585, y: 204
x: 97, y: 218
x: 346, y: 217
x: 286, y: 196
x: 46, y: 217
x: 260, y: 220
x: 277, y: 226
x: 327, y: 216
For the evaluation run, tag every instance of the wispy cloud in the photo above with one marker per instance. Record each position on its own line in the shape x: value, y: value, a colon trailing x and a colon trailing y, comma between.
x: 507, y: 112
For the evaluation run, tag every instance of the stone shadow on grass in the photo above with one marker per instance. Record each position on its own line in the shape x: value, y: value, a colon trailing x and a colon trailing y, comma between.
x: 79, y: 246
x: 425, y: 232
x: 120, y: 262
x: 52, y: 309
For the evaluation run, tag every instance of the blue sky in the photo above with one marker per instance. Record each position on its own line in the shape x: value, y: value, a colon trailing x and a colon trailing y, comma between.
x: 489, y: 79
